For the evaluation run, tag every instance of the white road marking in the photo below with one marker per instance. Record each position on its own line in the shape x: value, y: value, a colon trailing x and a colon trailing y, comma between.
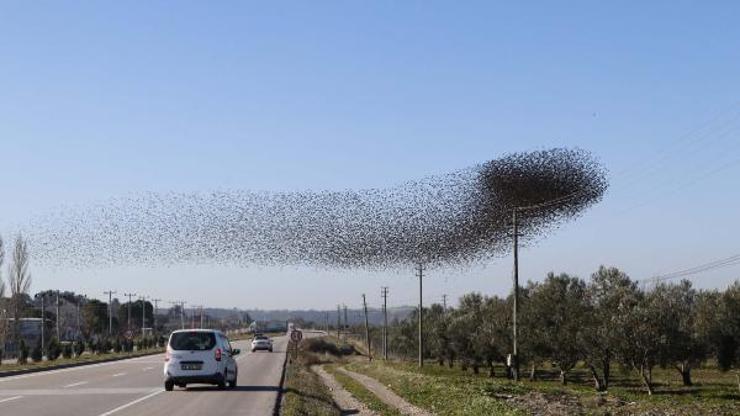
x: 10, y: 398
x: 118, y: 374
x: 129, y: 404
x: 80, y: 383
x: 77, y: 392
x: 147, y: 368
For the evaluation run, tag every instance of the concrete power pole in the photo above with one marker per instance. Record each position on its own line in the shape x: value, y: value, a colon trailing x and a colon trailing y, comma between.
x: 384, y: 293
x: 339, y: 320
x: 515, y: 355
x: 444, y: 302
x: 367, y: 329
x: 143, y: 315
x: 110, y: 294
x: 346, y: 322
x: 130, y: 295
x: 154, y: 315
x: 43, y: 324
x: 59, y: 338
x: 421, y: 317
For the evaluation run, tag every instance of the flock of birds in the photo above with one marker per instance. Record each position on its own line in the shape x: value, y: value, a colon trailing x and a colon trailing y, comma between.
x: 447, y: 220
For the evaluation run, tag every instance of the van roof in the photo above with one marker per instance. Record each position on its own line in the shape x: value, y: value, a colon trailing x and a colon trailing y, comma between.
x: 198, y: 330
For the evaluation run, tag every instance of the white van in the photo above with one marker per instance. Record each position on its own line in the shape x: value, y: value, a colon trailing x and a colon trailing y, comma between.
x: 199, y: 356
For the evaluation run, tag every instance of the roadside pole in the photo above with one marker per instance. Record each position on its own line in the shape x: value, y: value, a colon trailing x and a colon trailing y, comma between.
x: 43, y: 324
x: 384, y: 293
x: 59, y: 338
x: 110, y: 294
x: 143, y: 315
x: 515, y: 355
x: 346, y: 322
x: 367, y: 329
x: 130, y: 295
x: 339, y: 320
x: 154, y: 315
x: 421, y: 317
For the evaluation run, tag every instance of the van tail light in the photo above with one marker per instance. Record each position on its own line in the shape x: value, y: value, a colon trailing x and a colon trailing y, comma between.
x: 218, y: 354
x: 167, y: 355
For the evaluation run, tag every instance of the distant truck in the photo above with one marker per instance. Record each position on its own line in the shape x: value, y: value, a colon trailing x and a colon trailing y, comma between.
x: 268, y: 326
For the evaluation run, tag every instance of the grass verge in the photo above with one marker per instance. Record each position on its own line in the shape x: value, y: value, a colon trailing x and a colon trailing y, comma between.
x: 446, y: 391
x: 304, y: 393
x: 361, y: 393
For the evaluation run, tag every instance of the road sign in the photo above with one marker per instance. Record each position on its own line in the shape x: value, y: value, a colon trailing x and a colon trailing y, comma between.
x: 296, y: 336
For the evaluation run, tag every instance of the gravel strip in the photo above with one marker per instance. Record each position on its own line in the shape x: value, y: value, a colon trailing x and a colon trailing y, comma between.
x: 343, y: 398
x: 386, y: 395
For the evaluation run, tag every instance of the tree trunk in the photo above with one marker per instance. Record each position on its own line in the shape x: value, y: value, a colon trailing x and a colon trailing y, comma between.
x: 685, y: 370
x: 598, y: 384
x: 738, y: 382
x: 532, y: 373
x: 450, y: 362
x: 606, y: 367
x: 563, y: 380
x: 476, y: 368
x: 441, y: 361
x: 491, y: 371
x: 646, y: 379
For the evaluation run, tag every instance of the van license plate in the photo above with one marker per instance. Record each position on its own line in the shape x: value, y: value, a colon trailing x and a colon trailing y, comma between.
x: 191, y: 366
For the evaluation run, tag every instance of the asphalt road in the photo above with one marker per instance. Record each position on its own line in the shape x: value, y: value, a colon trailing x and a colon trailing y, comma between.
x: 135, y: 387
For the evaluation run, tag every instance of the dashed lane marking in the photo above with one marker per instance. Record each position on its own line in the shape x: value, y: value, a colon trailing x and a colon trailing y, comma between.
x: 10, y: 398
x: 129, y: 404
x: 79, y: 383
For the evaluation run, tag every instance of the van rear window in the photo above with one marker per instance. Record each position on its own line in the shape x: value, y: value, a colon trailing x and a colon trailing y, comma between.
x: 198, y: 341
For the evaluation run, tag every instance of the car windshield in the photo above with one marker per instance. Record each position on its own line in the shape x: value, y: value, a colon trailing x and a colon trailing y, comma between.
x: 198, y: 341
x: 260, y: 338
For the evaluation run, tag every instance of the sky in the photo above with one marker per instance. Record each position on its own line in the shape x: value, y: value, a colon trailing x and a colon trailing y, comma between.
x: 103, y: 99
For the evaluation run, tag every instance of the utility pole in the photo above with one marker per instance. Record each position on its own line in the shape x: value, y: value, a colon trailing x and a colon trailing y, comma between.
x: 78, y: 319
x: 346, y: 322
x: 367, y: 329
x: 43, y: 324
x: 143, y: 315
x: 110, y: 294
x: 59, y: 338
x: 339, y: 320
x: 130, y: 295
x: 444, y: 302
x: 154, y: 315
x: 384, y: 293
x: 326, y: 322
x: 421, y: 317
x: 515, y: 357
x: 201, y: 316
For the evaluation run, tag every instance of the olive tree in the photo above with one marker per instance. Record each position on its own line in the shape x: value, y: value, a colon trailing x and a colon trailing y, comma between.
x: 607, y: 291
x: 557, y: 304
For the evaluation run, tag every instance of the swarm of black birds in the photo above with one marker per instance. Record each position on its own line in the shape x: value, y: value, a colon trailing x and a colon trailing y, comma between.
x: 447, y: 220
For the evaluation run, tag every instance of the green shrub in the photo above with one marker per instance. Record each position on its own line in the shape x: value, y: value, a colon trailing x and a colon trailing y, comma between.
x: 79, y: 348
x: 67, y: 350
x: 117, y: 346
x: 53, y: 350
x: 22, y: 352
x: 36, y: 353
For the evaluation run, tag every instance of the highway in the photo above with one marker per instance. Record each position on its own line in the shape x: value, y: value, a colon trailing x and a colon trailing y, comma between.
x: 135, y: 387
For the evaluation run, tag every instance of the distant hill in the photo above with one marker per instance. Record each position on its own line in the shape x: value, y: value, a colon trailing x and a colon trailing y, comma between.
x: 354, y: 316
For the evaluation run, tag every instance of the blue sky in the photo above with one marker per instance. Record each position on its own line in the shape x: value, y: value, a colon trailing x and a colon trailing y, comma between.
x: 104, y: 99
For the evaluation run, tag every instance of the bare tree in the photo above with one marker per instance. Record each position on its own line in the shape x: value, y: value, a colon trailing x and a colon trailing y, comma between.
x: 20, y: 282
